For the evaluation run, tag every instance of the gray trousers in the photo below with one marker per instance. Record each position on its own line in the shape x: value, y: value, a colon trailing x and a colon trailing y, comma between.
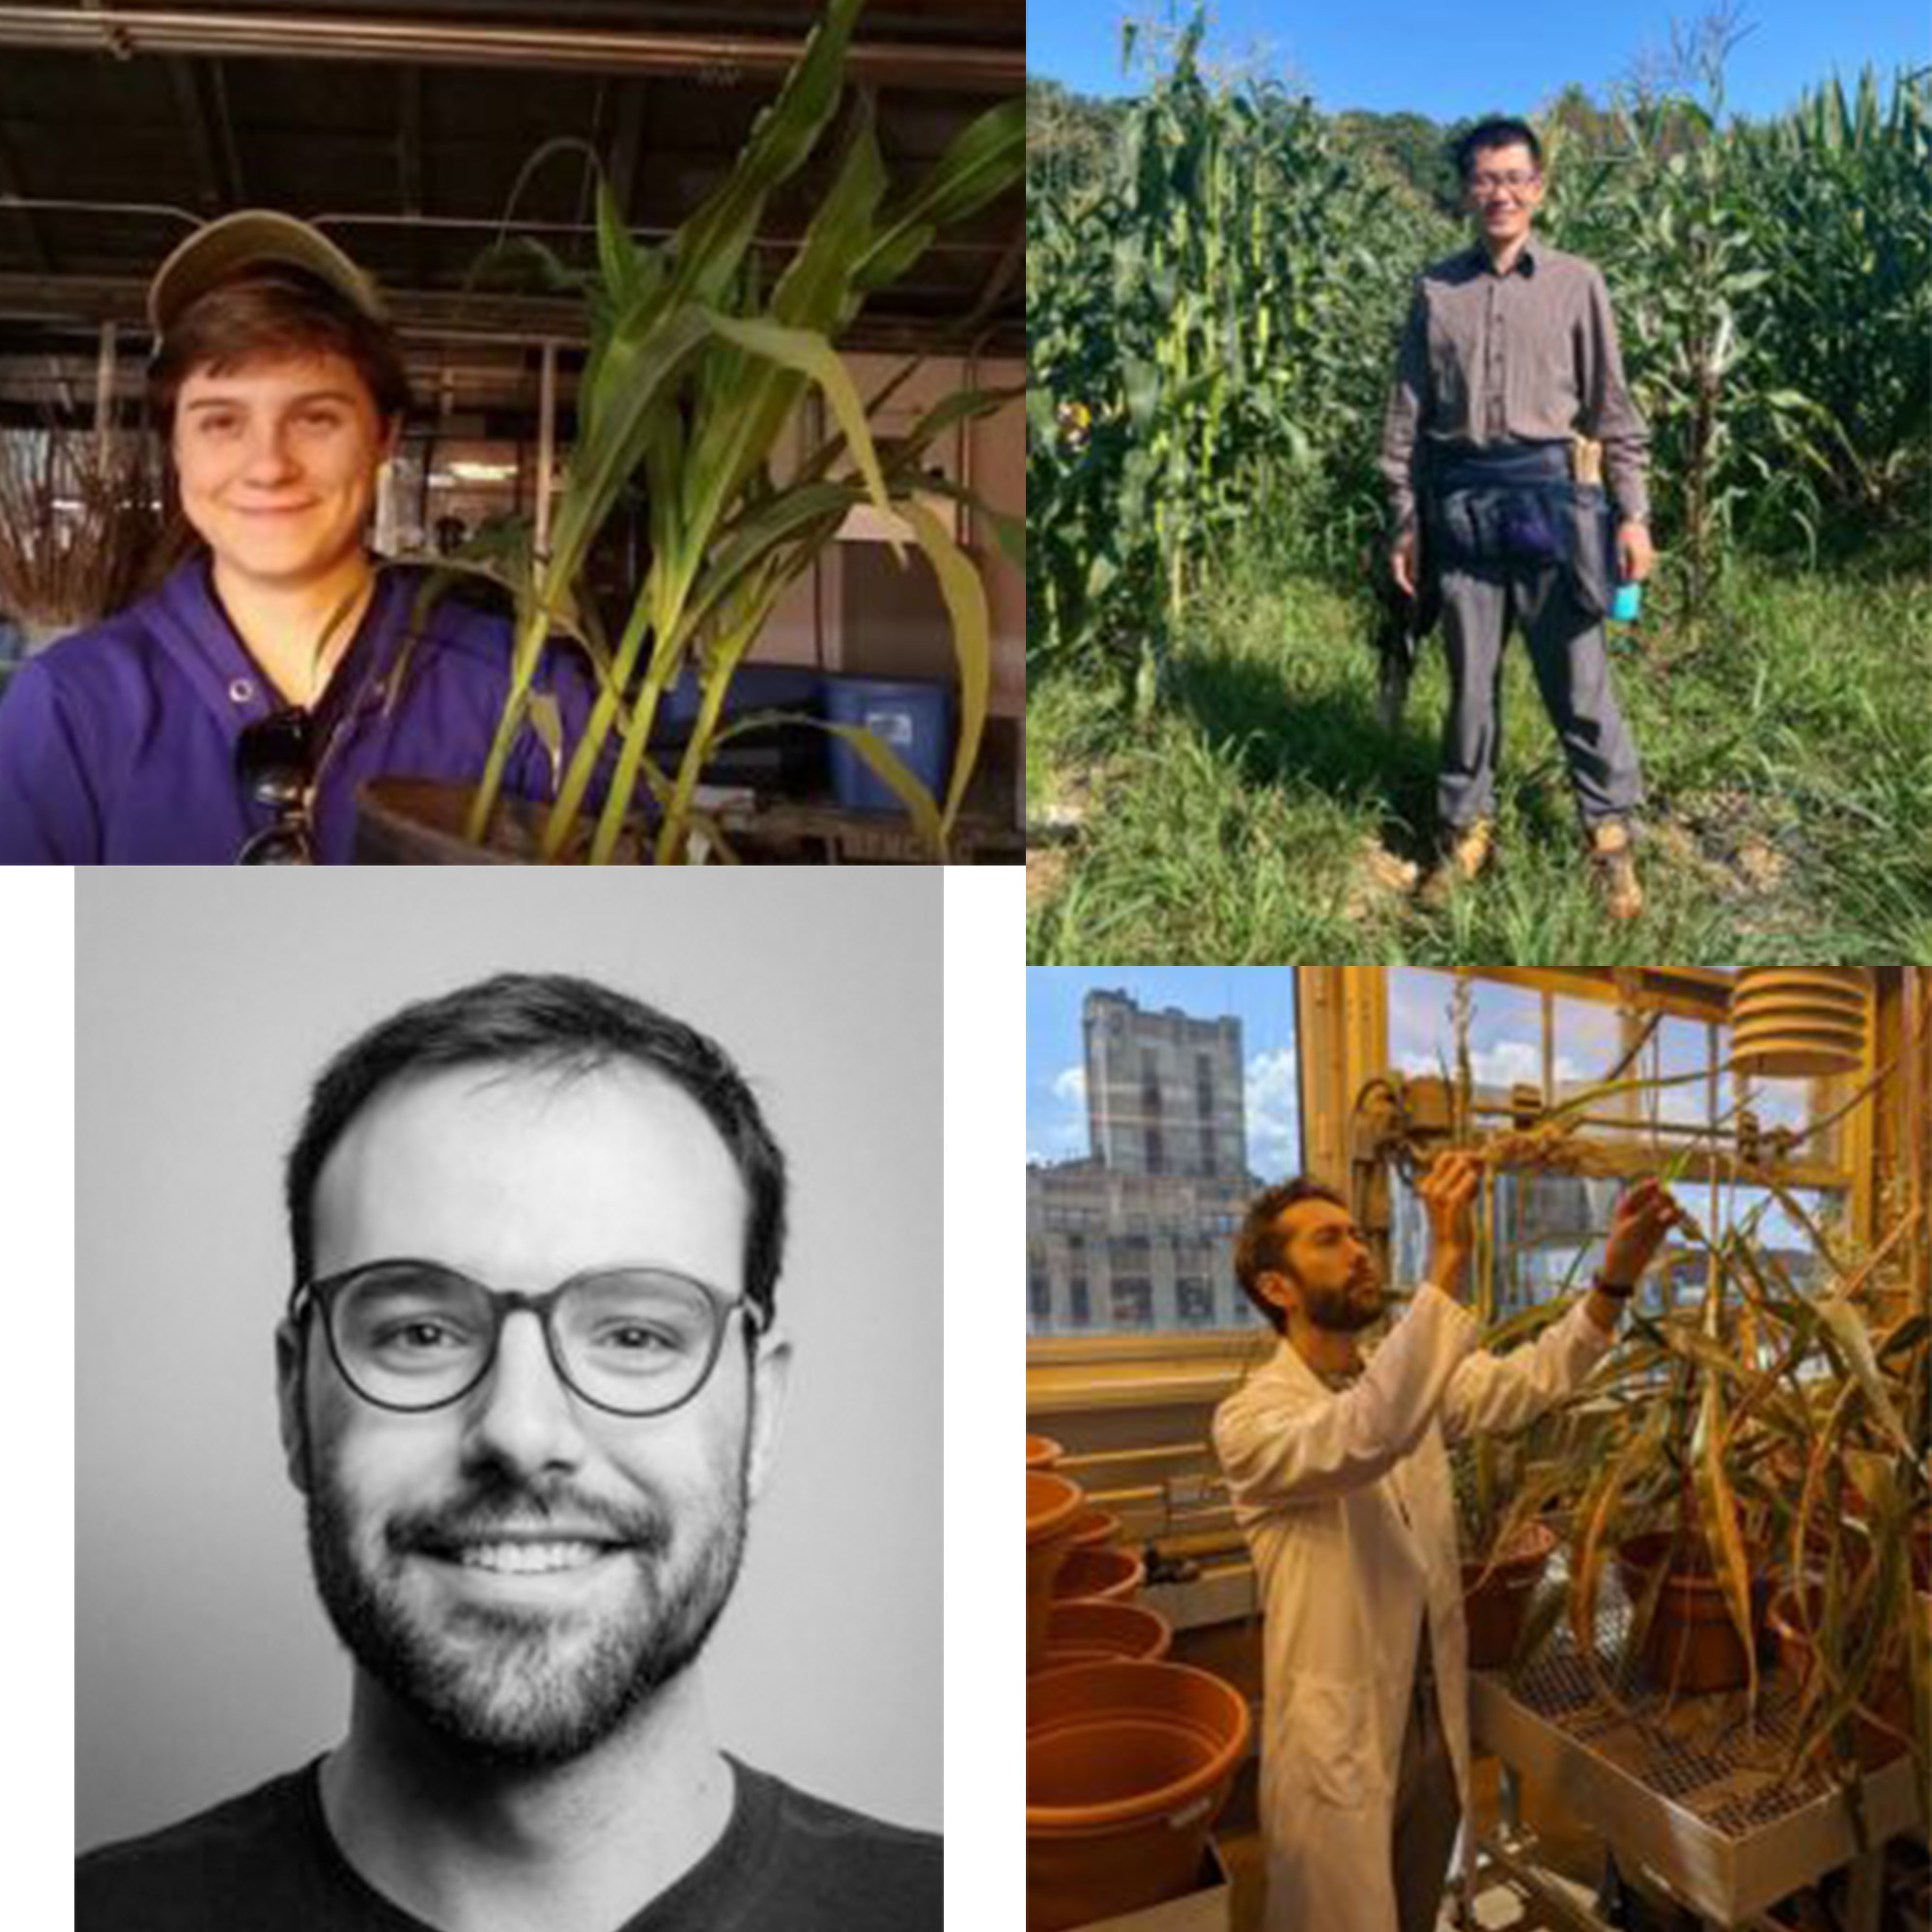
x: 1566, y: 651
x: 1427, y: 1810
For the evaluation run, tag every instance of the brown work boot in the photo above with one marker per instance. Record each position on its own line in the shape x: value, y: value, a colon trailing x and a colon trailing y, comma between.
x: 1465, y: 853
x: 1615, y: 863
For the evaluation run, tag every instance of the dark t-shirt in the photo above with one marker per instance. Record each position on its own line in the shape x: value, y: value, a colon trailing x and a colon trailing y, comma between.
x: 266, y: 1863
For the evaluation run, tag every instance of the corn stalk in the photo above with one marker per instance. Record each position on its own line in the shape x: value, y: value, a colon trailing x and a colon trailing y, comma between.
x: 694, y: 380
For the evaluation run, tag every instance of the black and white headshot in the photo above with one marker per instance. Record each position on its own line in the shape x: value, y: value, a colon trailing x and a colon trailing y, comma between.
x: 509, y: 1468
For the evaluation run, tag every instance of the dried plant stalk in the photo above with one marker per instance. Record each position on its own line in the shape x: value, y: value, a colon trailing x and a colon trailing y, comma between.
x: 79, y: 523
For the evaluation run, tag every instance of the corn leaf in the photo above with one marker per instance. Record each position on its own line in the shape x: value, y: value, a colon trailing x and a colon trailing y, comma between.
x: 965, y: 596
x: 1719, y: 1510
x: 982, y: 163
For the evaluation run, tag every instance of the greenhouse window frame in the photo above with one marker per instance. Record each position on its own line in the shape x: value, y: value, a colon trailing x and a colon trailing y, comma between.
x: 1342, y: 1035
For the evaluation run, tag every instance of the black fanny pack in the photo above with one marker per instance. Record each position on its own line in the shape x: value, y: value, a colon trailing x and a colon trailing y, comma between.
x: 1521, y: 508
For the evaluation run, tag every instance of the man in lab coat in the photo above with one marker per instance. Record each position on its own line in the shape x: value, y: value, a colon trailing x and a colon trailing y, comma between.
x: 1339, y: 1474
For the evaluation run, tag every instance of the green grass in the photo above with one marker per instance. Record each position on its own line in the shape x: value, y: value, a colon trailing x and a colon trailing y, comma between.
x: 1787, y: 752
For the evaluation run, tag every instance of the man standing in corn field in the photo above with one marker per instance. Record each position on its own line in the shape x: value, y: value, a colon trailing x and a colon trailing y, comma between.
x: 1508, y: 394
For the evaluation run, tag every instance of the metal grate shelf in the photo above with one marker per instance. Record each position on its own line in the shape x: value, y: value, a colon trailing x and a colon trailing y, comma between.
x: 1698, y: 1792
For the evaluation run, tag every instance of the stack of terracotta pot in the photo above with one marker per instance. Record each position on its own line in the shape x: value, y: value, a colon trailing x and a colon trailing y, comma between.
x: 1052, y: 1505
x: 1129, y: 1758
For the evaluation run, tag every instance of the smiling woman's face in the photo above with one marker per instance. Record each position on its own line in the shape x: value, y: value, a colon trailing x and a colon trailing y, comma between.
x: 277, y: 462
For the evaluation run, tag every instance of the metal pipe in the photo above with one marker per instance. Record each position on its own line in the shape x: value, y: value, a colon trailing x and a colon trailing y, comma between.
x: 103, y: 392
x: 1644, y: 1127
x: 521, y: 226
x: 717, y: 59
x: 350, y: 218
x: 187, y: 217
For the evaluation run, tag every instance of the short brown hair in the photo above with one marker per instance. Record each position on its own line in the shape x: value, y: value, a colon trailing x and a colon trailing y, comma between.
x: 270, y: 309
x: 1259, y: 1248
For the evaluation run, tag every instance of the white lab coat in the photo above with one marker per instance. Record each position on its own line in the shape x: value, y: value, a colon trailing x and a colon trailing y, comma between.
x: 1347, y: 1505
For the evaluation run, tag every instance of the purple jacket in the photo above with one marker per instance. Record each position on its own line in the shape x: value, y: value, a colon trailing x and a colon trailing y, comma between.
x: 117, y: 745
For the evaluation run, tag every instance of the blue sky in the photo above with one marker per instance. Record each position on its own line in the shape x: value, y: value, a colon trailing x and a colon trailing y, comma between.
x: 1260, y: 997
x: 1447, y: 62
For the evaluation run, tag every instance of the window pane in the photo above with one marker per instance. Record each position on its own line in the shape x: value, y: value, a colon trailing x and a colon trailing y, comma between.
x: 1796, y: 1103
x: 1589, y: 1042
x: 1505, y: 1031
x: 1550, y: 1235
x: 1551, y: 1226
x: 1158, y: 1103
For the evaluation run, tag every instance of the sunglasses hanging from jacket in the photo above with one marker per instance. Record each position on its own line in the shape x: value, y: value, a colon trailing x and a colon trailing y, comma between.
x: 274, y: 764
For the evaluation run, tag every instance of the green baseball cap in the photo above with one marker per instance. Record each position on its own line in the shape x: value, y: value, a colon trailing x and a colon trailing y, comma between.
x: 240, y: 240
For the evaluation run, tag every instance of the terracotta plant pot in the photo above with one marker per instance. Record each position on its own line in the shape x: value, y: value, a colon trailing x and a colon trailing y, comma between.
x: 1110, y: 1575
x: 1693, y: 1643
x: 1042, y: 1452
x: 1101, y: 1633
x: 1128, y: 1766
x: 1052, y: 1503
x: 1096, y: 1528
x: 1495, y: 1597
x: 1791, y: 1620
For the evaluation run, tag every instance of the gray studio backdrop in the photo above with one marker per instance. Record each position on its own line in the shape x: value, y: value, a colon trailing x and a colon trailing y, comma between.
x: 206, y: 1002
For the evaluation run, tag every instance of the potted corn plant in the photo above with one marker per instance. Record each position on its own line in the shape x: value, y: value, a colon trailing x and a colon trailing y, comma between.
x: 694, y: 377
x: 1504, y: 1495
x: 1767, y: 1442
x: 1766, y: 1454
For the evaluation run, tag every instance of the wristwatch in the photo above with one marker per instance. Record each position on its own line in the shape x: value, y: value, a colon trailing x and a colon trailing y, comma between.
x: 1602, y: 1286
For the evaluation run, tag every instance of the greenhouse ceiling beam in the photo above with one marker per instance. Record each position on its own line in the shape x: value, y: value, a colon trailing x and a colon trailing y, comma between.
x: 343, y: 217
x: 713, y: 58
x: 10, y: 191
x: 435, y: 315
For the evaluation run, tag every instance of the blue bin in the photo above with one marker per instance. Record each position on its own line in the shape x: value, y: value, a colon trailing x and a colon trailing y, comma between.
x: 912, y: 716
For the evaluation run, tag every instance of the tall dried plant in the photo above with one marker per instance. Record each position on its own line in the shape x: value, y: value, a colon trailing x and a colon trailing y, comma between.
x: 79, y: 524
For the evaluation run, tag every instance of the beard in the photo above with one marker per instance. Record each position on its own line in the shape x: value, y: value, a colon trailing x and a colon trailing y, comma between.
x: 515, y: 1688
x: 1341, y: 1311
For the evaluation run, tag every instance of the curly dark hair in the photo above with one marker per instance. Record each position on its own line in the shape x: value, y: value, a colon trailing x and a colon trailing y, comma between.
x: 1260, y: 1247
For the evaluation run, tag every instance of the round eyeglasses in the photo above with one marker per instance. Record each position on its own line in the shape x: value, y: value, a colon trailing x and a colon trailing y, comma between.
x: 414, y: 1335
x: 1515, y: 183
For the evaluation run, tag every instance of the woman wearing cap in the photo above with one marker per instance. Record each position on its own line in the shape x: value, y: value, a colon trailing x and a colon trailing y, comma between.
x: 231, y: 715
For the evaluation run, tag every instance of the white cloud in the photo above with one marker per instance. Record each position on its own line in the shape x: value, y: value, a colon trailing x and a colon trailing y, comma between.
x: 1058, y: 1132
x: 1503, y: 1064
x: 1273, y: 1100
x: 1506, y: 1063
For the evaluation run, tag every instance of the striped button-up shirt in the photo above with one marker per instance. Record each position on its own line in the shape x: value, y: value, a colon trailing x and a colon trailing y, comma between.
x: 1530, y: 356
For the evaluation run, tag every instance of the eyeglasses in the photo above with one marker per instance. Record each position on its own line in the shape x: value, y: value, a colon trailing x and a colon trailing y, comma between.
x: 1514, y: 183
x: 414, y: 1335
x: 274, y: 764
